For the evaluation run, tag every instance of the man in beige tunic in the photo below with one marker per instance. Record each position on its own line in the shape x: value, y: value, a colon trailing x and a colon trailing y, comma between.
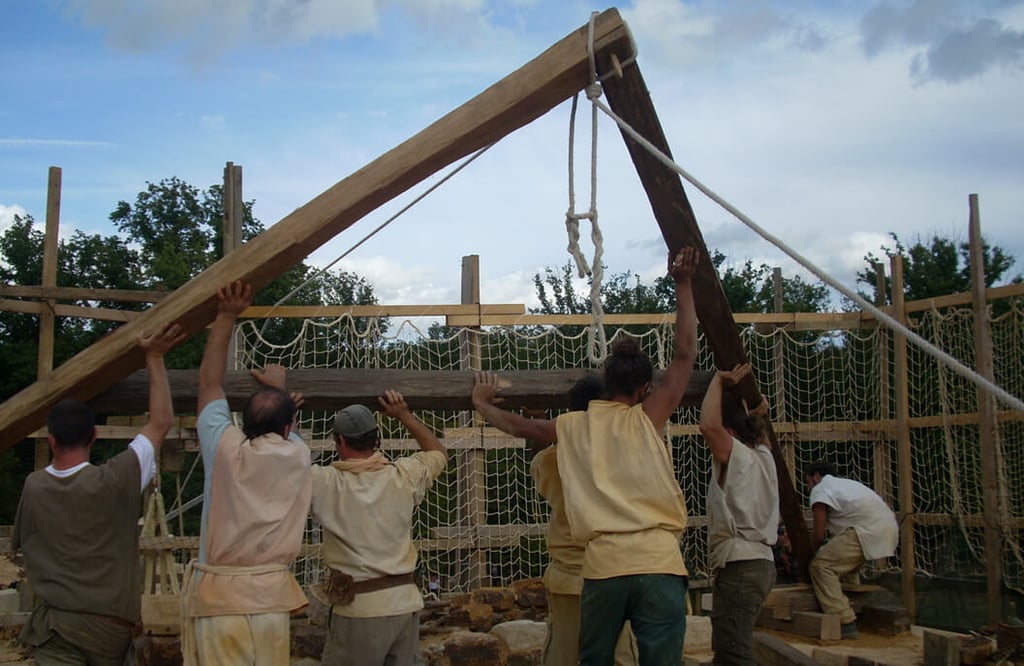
x: 256, y: 498
x: 365, y: 503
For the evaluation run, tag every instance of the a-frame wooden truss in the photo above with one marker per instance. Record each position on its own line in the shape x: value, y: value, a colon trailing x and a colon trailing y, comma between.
x: 518, y: 99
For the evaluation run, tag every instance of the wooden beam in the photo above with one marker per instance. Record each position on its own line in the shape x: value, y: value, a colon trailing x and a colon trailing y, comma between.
x: 904, y: 465
x: 330, y: 389
x: 47, y: 317
x: 629, y: 98
x: 82, y: 294
x: 987, y: 427
x: 516, y: 100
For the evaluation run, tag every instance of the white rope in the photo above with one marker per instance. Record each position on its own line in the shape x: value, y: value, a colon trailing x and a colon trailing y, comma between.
x: 597, y: 341
x: 952, y: 363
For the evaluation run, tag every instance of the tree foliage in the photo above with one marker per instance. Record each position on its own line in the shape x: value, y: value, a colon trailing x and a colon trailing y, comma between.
x: 170, y: 234
x: 936, y: 267
x: 748, y: 288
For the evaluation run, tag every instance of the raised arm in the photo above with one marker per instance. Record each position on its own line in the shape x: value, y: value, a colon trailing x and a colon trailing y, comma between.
x: 664, y: 399
x: 161, y: 413
x: 232, y: 299
x: 719, y: 439
x: 485, y: 401
x: 393, y: 404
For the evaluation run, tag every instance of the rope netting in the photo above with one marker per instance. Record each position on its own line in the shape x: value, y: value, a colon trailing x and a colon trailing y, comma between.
x: 832, y: 395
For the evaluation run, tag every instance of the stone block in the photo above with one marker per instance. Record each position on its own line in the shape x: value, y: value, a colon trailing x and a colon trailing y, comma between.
x: 498, y: 598
x: 525, y: 640
x: 10, y: 601
x: 307, y: 640
x: 474, y: 616
x: 157, y: 650
x: 941, y: 648
x: 530, y: 593
x: 466, y: 648
x: 698, y: 634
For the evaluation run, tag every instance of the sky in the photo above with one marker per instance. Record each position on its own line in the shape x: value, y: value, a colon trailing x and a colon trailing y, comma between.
x: 831, y: 124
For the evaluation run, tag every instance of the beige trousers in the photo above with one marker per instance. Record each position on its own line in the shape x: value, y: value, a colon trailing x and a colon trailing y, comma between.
x: 562, y: 647
x: 243, y: 640
x: 840, y: 556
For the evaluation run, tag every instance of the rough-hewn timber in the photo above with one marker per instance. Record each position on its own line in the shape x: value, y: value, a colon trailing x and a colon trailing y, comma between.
x: 552, y: 77
x: 333, y: 389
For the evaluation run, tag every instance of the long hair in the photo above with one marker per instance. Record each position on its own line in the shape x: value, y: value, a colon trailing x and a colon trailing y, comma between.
x: 627, y: 369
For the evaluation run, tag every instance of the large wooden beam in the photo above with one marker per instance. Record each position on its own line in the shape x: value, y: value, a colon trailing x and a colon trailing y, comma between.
x: 327, y: 389
x: 629, y: 98
x: 513, y: 102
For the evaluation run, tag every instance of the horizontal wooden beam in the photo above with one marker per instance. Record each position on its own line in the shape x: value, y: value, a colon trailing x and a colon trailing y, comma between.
x: 526, y: 94
x: 326, y: 389
x: 82, y: 294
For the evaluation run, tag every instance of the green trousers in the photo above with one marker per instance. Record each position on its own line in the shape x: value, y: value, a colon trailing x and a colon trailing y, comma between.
x: 654, y: 604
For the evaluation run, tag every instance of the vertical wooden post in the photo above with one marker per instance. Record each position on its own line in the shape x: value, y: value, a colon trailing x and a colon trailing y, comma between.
x: 986, y: 420
x: 232, y: 230
x: 779, y: 376
x: 47, y: 319
x: 905, y: 469
x: 883, y: 456
x: 233, y: 207
x: 472, y: 463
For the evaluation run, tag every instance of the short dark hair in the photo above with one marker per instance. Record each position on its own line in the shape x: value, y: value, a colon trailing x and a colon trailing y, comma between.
x: 71, y: 423
x: 367, y: 442
x: 820, y: 467
x: 269, y: 410
x: 734, y: 416
x: 587, y: 388
x: 627, y: 369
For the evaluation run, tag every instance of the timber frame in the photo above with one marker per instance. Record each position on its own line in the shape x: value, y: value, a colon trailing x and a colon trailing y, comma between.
x: 103, y: 374
x: 521, y: 97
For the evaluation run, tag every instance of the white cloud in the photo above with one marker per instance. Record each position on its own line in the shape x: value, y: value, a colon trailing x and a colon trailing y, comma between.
x: 7, y: 214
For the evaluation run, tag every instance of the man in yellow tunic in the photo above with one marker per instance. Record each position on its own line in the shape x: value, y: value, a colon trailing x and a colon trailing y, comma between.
x: 621, y: 495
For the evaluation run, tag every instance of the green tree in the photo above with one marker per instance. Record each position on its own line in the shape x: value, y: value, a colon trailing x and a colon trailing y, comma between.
x: 936, y: 267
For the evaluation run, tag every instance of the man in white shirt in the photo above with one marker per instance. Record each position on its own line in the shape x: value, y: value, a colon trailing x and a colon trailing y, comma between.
x: 862, y: 527
x: 77, y: 527
x: 743, y: 516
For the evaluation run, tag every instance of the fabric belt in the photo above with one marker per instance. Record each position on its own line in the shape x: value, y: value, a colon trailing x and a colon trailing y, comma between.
x: 189, y: 649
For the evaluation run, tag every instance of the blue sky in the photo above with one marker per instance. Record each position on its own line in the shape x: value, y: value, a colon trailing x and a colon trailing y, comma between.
x: 829, y: 123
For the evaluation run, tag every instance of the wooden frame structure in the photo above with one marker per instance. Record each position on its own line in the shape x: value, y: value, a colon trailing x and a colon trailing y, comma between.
x: 103, y: 371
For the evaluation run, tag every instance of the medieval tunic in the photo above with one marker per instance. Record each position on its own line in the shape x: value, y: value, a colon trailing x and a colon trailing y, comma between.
x: 257, y: 498
x: 78, y: 531
x: 365, y: 507
x: 621, y: 495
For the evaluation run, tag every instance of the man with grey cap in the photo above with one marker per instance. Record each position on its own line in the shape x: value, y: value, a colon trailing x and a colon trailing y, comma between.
x: 365, y: 502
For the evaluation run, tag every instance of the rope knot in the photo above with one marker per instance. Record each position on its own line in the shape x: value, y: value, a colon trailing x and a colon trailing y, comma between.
x: 594, y: 91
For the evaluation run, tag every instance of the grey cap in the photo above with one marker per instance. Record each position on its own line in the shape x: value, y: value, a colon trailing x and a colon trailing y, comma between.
x: 354, y: 422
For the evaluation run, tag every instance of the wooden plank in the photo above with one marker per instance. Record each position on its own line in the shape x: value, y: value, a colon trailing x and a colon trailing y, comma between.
x: 471, y: 313
x: 629, y: 98
x: 984, y: 364
x: 513, y: 102
x: 82, y: 294
x: 492, y: 315
x: 819, y: 626
x: 773, y: 651
x: 331, y: 389
x: 903, y: 450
